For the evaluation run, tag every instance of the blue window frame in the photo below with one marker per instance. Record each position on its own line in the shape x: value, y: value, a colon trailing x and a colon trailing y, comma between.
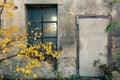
x: 43, y: 23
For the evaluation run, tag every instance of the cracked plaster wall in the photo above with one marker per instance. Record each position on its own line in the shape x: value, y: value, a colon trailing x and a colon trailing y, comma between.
x: 67, y: 10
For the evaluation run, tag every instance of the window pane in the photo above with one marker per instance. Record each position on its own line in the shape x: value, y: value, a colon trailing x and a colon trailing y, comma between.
x: 49, y: 29
x: 50, y: 14
x: 34, y: 14
x: 53, y: 40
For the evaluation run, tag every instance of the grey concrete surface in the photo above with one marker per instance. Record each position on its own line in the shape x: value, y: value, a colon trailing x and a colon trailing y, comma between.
x: 67, y: 10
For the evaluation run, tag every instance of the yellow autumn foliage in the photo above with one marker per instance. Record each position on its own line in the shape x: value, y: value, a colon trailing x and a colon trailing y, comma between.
x: 29, y: 23
x: 11, y: 37
x: 9, y: 7
x: 35, y: 75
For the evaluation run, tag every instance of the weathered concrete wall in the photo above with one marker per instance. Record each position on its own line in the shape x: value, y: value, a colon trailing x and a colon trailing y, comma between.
x: 67, y: 10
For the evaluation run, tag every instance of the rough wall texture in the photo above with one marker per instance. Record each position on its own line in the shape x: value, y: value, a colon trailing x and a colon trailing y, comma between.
x: 115, y: 32
x: 93, y: 44
x: 67, y: 10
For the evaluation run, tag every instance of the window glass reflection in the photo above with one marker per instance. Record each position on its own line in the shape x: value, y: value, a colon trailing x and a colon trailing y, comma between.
x: 49, y: 29
x: 50, y: 14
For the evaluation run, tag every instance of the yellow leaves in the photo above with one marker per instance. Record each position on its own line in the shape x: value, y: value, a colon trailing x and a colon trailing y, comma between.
x: 46, y: 30
x: 32, y: 51
x: 22, y: 70
x: 9, y: 7
x: 35, y: 63
x: 0, y: 56
x: 21, y: 45
x: 37, y: 28
x: 49, y: 67
x: 35, y: 38
x: 48, y: 47
x: 41, y: 56
x: 6, y: 5
x: 33, y: 54
x: 20, y: 56
x: 8, y: 34
x: 5, y: 40
x: 34, y: 75
x: 28, y: 71
x: 40, y: 34
x: 18, y: 45
x: 9, y: 31
x: 3, y: 45
x: 17, y: 69
x: 26, y: 67
x: 53, y: 55
x: 46, y: 63
x: 13, y: 29
x: 35, y: 33
x: 48, y: 51
x: 1, y: 3
x: 9, y: 14
x: 58, y: 53
x: 29, y: 23
x: 9, y: 4
x: 4, y: 50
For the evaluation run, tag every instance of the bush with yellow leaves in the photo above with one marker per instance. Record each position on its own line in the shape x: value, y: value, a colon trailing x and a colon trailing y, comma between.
x: 12, y: 37
x: 33, y: 54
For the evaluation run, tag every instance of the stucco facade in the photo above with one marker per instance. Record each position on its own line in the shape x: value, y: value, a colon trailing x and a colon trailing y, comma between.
x: 68, y: 12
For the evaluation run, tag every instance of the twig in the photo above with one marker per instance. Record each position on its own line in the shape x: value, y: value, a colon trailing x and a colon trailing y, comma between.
x: 2, y: 11
x: 8, y: 57
x: 2, y: 7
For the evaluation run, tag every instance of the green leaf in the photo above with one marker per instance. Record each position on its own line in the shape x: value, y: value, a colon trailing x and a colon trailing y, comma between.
x: 112, y: 25
x: 108, y: 77
x: 115, y: 1
x: 96, y: 63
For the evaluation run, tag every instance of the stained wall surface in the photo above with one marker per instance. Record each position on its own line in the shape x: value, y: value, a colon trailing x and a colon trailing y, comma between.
x: 67, y: 11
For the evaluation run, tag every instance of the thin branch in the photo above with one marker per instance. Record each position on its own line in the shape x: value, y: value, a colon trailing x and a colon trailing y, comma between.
x: 8, y: 57
x: 2, y: 11
x: 2, y: 7
x: 13, y: 40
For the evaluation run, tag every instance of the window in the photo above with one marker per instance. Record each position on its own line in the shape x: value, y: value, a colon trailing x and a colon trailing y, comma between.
x: 42, y: 21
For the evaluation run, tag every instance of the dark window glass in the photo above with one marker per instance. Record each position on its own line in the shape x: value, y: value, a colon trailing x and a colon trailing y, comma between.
x: 34, y: 14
